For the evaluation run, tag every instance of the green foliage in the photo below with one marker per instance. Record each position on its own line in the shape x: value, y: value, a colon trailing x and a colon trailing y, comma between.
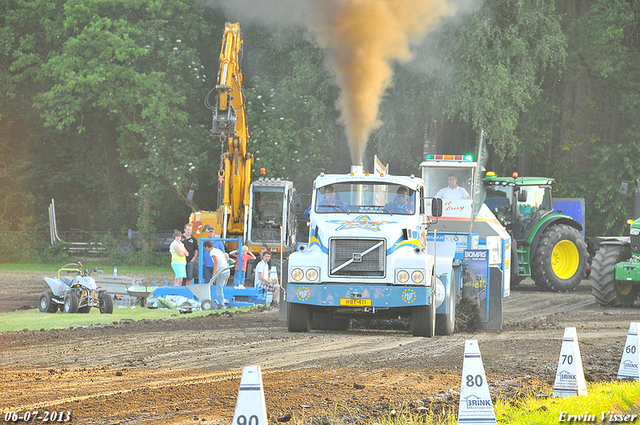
x: 290, y: 109
x: 495, y: 62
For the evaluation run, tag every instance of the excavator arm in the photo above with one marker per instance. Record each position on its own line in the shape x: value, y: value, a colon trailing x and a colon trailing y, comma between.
x: 229, y: 125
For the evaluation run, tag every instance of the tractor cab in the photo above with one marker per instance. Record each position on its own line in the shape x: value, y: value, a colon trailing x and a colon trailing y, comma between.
x: 519, y: 203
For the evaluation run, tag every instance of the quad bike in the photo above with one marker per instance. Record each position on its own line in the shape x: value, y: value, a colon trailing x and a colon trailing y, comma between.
x: 75, y: 294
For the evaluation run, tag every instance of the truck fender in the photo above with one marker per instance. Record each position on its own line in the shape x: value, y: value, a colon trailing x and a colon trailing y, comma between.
x: 56, y: 286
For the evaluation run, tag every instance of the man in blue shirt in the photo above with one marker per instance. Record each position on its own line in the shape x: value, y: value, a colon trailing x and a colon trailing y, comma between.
x: 216, y: 244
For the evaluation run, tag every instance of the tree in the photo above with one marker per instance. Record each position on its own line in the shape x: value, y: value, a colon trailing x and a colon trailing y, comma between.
x: 495, y: 63
x: 123, y: 71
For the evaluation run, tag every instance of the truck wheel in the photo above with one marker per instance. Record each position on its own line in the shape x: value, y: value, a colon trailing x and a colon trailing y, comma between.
x: 298, y: 317
x: 560, y: 260
x: 71, y: 303
x: 46, y: 304
x: 106, y: 303
x: 423, y: 317
x: 604, y: 287
x: 446, y: 323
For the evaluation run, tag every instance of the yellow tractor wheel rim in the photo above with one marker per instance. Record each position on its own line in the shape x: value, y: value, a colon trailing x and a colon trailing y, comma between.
x: 623, y: 287
x: 565, y: 259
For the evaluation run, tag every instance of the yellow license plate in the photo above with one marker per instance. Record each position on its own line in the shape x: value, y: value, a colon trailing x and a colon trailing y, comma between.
x: 355, y: 302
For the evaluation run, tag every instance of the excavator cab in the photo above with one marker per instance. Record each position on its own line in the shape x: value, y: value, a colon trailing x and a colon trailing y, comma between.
x: 272, y: 218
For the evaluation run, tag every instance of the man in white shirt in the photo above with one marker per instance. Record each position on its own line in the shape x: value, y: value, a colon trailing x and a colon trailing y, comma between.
x: 452, y: 191
x: 219, y: 263
x: 262, y: 278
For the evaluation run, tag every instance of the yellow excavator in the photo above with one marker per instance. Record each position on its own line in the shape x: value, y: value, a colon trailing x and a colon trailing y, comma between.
x: 262, y: 212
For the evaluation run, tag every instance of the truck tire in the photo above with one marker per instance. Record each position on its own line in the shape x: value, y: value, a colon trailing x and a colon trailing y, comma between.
x: 446, y: 323
x: 604, y: 287
x: 106, y: 303
x: 298, y: 317
x: 71, y: 303
x: 423, y: 317
x: 560, y: 260
x: 46, y: 304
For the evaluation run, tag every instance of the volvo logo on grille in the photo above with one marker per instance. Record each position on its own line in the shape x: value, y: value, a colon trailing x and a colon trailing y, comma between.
x: 357, y: 257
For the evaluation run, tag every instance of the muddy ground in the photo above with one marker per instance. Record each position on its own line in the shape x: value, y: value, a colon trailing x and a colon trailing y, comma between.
x: 187, y: 370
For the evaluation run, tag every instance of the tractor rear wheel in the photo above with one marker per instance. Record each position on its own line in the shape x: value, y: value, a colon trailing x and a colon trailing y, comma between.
x: 604, y: 287
x: 560, y: 259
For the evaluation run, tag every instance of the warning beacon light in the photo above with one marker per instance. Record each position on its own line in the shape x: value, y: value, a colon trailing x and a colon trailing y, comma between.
x: 467, y: 157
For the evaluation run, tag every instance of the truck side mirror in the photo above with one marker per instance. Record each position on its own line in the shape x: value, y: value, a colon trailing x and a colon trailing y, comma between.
x: 436, y: 207
x: 522, y: 195
x: 624, y: 188
x: 189, y: 196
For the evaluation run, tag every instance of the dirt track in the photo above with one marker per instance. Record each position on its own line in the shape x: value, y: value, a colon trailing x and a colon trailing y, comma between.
x: 188, y: 370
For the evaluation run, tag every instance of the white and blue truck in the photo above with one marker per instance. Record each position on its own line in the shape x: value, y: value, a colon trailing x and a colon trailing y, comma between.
x: 368, y: 258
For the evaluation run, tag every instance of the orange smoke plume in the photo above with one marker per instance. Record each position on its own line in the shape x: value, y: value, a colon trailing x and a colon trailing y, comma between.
x: 363, y: 38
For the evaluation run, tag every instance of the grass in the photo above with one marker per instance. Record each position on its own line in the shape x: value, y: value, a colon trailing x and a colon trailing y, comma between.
x: 602, y: 398
x: 33, y: 319
x: 611, y: 398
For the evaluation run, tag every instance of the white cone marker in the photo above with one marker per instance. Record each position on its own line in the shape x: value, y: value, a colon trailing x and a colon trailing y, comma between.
x: 476, y: 407
x: 250, y: 408
x: 630, y: 355
x: 570, y: 373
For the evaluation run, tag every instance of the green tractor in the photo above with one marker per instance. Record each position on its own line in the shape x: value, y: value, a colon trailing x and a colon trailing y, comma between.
x: 548, y: 246
x: 615, y: 270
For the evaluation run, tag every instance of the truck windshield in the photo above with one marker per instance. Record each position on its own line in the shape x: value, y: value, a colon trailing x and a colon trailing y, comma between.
x: 377, y: 198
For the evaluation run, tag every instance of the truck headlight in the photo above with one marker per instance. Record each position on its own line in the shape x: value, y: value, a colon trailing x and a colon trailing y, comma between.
x: 312, y: 275
x: 417, y: 276
x: 297, y: 274
x: 402, y: 276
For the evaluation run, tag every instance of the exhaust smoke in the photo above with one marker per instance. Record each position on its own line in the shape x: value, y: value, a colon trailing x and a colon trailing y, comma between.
x: 362, y: 39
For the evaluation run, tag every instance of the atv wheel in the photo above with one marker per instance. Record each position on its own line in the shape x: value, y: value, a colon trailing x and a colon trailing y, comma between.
x: 106, y: 303
x: 604, y: 287
x: 560, y: 260
x: 298, y: 317
x: 46, y: 304
x: 71, y: 303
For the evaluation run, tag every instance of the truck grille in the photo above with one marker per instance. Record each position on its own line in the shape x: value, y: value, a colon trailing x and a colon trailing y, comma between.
x: 635, y: 244
x: 349, y: 257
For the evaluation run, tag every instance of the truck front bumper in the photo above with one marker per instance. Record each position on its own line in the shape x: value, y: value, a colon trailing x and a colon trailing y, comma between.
x: 358, y: 295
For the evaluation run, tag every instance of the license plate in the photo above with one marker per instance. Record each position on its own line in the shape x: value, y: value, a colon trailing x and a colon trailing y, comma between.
x: 355, y: 302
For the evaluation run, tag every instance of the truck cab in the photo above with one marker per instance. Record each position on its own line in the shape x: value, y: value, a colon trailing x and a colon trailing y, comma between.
x: 366, y: 255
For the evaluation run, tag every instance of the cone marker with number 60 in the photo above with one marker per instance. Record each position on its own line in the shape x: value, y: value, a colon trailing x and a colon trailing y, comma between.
x: 630, y: 355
